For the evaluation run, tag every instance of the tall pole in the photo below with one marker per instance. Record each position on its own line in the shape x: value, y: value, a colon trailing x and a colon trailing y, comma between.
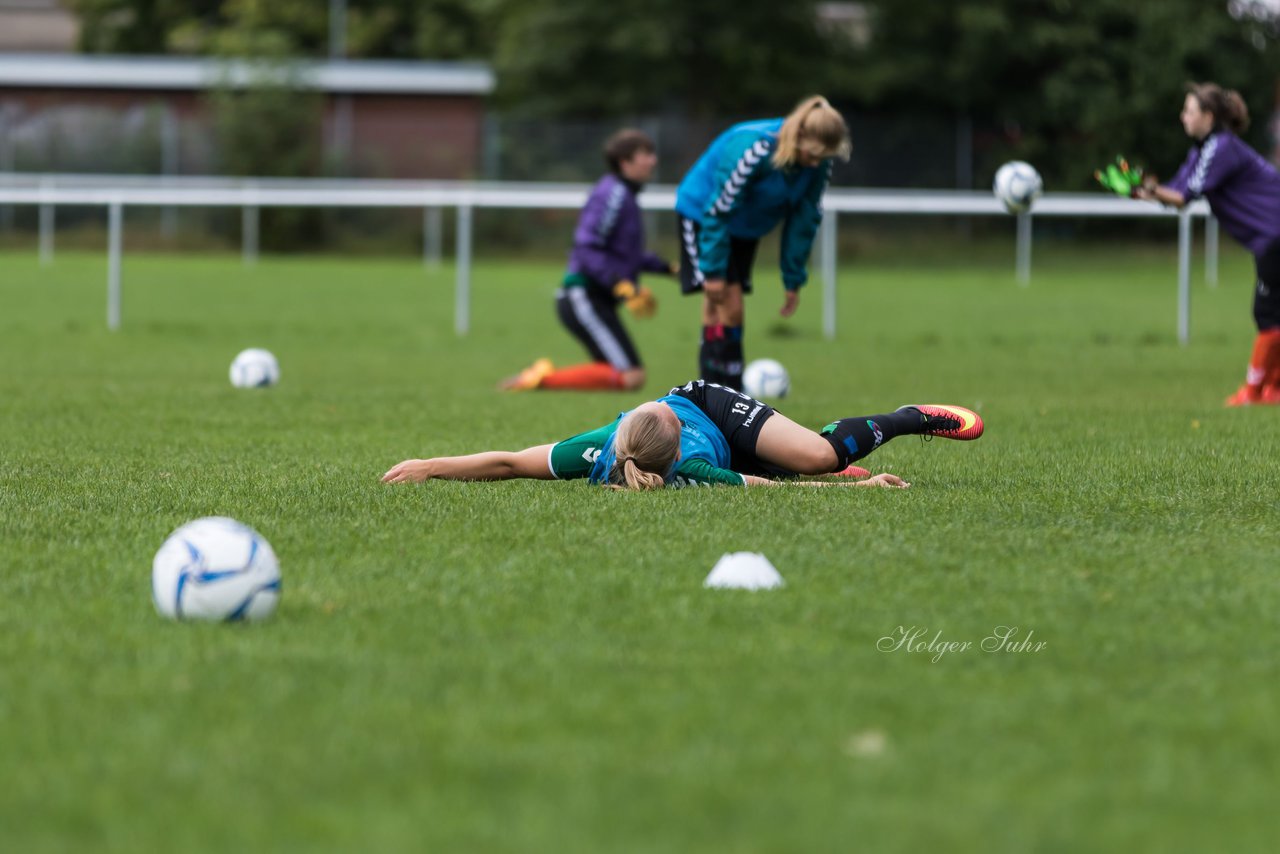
x: 170, y: 146
x: 340, y: 121
x: 249, y: 235
x: 6, y: 164
x: 1184, y: 276
x: 462, y: 260
x: 432, y: 237
x: 337, y: 29
x: 46, y: 225
x: 115, y: 239
x: 827, y: 250
x: 1023, y: 251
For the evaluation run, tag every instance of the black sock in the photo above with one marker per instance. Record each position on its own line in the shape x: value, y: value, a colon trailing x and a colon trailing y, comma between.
x: 711, y: 361
x: 854, y: 438
x: 733, y: 357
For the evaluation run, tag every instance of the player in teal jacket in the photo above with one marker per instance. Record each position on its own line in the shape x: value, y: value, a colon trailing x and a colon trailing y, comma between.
x: 703, y: 434
x: 753, y: 177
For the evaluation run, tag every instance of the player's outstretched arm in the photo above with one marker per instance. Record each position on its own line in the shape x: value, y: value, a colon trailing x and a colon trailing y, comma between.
x: 891, y: 481
x: 491, y: 465
x: 1161, y: 194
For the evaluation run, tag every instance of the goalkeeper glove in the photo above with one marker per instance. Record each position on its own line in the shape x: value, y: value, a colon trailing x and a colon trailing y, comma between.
x: 644, y: 304
x: 640, y: 300
x: 1119, y: 178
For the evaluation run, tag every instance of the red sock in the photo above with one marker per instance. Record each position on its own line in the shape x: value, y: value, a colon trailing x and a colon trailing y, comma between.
x: 1264, y: 364
x: 592, y: 376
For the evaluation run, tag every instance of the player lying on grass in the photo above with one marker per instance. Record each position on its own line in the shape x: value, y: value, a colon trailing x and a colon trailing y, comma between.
x: 704, y: 434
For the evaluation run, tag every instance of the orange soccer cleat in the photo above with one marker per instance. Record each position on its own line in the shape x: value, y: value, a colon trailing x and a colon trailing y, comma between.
x: 1246, y: 395
x: 855, y: 472
x: 949, y: 422
x: 530, y: 378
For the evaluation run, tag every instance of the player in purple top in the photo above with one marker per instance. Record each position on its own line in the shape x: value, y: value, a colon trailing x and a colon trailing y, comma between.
x: 605, y: 263
x: 1243, y: 191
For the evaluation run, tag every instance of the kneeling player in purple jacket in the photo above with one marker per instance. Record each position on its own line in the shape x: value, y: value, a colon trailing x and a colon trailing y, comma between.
x: 605, y: 263
x: 1243, y: 191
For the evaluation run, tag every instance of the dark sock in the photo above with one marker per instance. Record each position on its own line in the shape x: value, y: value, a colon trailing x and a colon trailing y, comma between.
x: 714, y: 357
x: 854, y: 438
x: 711, y: 355
x: 733, y: 357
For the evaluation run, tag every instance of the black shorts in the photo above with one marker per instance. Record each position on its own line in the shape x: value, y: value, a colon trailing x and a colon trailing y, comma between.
x: 591, y: 315
x: 739, y: 418
x: 1266, y: 294
x: 742, y: 257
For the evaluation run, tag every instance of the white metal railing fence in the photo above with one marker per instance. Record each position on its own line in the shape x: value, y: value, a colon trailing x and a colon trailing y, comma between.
x: 117, y: 192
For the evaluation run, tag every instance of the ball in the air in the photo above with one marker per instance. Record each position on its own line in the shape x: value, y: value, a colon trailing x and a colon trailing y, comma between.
x: 215, y: 569
x: 1017, y: 186
x: 255, y: 368
x: 766, y: 378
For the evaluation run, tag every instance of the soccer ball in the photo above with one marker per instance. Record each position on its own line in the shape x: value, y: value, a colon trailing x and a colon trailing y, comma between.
x: 215, y: 569
x: 1017, y: 185
x: 255, y: 368
x: 766, y: 378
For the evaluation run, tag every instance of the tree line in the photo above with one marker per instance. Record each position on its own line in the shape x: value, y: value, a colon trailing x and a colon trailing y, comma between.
x: 1064, y: 83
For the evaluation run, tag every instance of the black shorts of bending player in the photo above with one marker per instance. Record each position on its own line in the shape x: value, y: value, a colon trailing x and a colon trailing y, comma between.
x: 742, y: 257
x: 591, y: 315
x: 740, y: 418
x: 1266, y: 293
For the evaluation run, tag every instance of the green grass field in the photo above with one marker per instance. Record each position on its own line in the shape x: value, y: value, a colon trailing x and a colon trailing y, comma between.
x: 537, y: 667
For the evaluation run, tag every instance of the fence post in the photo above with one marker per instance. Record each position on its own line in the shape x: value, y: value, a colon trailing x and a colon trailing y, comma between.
x: 1023, y: 252
x: 249, y: 235
x: 1211, y: 250
x: 1184, y: 277
x: 115, y: 228
x: 828, y: 250
x: 6, y: 163
x: 46, y: 225
x: 432, y: 237
x: 462, y: 293
x: 170, y: 146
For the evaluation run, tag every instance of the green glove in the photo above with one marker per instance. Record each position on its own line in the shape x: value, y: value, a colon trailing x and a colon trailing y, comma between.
x: 1119, y: 178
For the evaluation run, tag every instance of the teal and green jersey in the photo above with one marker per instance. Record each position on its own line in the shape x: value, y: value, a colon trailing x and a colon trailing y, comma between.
x: 704, y: 453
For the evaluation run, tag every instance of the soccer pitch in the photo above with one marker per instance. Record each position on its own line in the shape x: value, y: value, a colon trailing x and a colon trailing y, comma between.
x: 536, y: 666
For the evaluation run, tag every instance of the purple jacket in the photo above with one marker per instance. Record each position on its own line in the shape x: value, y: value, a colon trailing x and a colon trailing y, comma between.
x: 1243, y: 190
x: 608, y: 245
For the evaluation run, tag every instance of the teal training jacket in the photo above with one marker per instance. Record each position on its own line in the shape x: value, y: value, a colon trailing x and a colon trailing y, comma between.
x: 734, y: 190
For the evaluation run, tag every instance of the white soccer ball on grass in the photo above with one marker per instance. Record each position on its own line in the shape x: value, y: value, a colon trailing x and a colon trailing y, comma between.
x: 1017, y: 186
x: 766, y: 378
x: 215, y: 568
x: 255, y: 368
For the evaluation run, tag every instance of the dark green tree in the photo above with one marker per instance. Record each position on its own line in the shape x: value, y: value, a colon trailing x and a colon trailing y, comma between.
x: 142, y: 26
x: 389, y: 29
x: 1065, y: 84
x: 712, y: 57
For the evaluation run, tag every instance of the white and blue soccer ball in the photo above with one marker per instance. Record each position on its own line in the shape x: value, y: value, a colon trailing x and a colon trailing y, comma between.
x: 1017, y: 186
x: 215, y: 568
x: 766, y: 378
x: 255, y: 368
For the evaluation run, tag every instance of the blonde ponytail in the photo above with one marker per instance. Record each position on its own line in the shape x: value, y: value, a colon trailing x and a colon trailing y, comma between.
x: 814, y: 124
x: 645, y: 445
x: 634, y: 477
